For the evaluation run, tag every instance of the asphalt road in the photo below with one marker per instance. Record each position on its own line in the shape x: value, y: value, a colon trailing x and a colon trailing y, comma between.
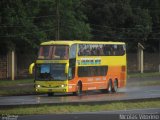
x: 90, y: 97
x: 133, y: 91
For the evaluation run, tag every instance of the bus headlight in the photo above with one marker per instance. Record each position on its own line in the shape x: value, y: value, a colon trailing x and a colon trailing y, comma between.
x: 38, y: 86
x: 63, y: 86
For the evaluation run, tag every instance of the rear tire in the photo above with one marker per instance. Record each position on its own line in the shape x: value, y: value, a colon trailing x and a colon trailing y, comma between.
x: 109, y: 88
x: 115, y: 86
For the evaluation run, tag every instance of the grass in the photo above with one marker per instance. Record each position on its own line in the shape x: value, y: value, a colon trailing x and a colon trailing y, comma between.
x: 59, y: 109
x: 142, y: 75
x: 146, y: 83
x: 10, y: 83
x: 18, y: 91
x: 151, y: 83
x: 16, y: 87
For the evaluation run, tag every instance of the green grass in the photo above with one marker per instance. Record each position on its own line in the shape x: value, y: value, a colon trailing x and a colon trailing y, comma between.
x: 16, y: 87
x: 57, y: 109
x: 142, y: 75
x: 10, y: 83
x: 18, y: 91
x: 146, y: 83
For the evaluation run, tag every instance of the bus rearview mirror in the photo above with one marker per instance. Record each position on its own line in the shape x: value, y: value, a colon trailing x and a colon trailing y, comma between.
x: 31, y: 67
x: 66, y: 68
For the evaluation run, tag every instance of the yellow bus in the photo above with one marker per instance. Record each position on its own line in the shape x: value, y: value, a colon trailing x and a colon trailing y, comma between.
x: 77, y: 66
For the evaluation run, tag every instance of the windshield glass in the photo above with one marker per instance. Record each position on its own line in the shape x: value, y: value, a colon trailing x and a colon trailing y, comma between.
x: 54, y: 52
x: 50, y: 72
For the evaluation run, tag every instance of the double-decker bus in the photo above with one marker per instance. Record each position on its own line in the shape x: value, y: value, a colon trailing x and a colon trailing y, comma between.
x: 76, y: 66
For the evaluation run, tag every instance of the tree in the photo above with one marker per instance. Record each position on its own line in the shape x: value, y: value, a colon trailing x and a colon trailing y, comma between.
x: 17, y: 28
x: 25, y: 24
x: 119, y: 20
x: 69, y: 21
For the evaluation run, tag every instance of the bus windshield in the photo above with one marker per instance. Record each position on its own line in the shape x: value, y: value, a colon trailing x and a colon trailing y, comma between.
x: 50, y: 72
x: 54, y: 52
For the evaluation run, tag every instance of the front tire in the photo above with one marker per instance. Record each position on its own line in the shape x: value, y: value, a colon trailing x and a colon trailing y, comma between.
x: 79, y: 89
x: 109, y: 90
x: 50, y: 94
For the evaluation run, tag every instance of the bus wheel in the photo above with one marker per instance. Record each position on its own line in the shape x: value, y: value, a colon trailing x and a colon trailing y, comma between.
x: 109, y: 90
x: 79, y: 89
x: 115, y: 86
x: 50, y: 94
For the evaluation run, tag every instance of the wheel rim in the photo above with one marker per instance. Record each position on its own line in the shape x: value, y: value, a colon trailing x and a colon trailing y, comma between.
x: 110, y: 87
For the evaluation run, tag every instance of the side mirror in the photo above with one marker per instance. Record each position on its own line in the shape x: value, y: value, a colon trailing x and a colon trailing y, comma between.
x: 31, y: 68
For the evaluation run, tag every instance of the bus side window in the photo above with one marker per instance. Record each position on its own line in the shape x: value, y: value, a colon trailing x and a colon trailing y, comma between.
x: 72, y: 52
x: 120, y: 50
x: 71, y: 73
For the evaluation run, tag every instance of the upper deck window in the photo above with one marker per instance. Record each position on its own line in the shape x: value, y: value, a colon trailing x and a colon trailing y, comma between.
x: 101, y: 50
x: 55, y: 52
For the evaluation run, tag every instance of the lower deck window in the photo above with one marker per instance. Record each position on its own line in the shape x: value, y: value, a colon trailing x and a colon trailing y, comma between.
x: 90, y: 71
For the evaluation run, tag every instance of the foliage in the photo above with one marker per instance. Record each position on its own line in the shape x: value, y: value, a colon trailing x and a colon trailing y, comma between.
x: 25, y: 24
x: 120, y: 20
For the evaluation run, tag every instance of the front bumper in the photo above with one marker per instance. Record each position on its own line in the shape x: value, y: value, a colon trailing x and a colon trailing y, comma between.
x: 46, y: 90
x: 51, y: 86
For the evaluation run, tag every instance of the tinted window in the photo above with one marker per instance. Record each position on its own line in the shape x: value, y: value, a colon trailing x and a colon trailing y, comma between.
x: 50, y: 72
x: 59, y: 52
x: 72, y: 52
x: 90, y: 71
x: 45, y: 52
x: 100, y: 50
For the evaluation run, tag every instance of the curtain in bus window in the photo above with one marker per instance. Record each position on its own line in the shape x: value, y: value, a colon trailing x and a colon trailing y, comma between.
x: 101, y: 50
x: 45, y: 52
x: 60, y: 52
x: 91, y: 71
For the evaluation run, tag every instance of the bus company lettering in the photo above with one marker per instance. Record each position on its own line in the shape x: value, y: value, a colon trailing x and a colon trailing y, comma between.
x: 89, y: 61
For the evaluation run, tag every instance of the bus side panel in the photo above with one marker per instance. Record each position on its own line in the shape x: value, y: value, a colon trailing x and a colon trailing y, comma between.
x: 117, y: 73
x: 72, y: 85
x: 99, y: 82
x: 123, y: 76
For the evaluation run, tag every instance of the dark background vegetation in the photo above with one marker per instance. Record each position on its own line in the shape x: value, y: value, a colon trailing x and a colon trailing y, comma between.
x: 24, y: 24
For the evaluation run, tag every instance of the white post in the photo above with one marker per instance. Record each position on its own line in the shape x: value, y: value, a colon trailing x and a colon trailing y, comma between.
x: 142, y: 61
x: 159, y: 55
x: 140, y: 58
x: 13, y: 65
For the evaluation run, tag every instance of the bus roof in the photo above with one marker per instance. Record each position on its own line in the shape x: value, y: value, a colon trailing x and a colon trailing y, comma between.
x: 63, y: 42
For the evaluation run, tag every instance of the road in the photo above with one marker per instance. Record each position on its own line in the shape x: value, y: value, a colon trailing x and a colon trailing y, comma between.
x: 131, y: 92
x: 134, y: 90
